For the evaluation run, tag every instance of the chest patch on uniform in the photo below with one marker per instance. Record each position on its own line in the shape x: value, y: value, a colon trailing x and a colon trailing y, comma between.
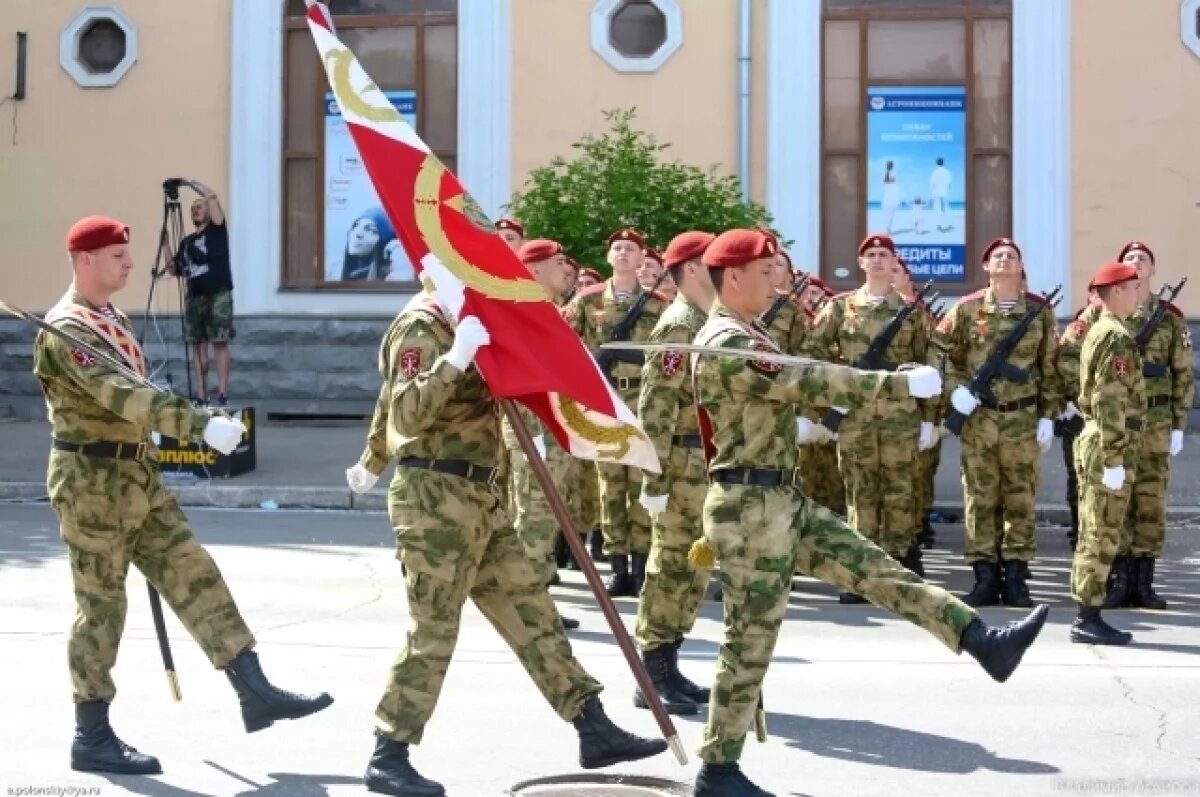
x: 765, y: 366
x: 1121, y: 367
x: 82, y: 358
x: 672, y: 362
x: 410, y: 362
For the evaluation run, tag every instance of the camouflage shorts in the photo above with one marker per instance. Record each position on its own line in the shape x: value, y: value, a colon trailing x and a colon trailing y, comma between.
x: 210, y: 317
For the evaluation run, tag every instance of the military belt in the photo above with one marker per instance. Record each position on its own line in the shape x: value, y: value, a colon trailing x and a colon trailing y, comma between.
x: 1133, y: 424
x: 758, y: 477
x: 454, y: 467
x: 1160, y: 400
x: 1013, y: 406
x: 104, y: 450
x: 687, y: 441
x: 627, y: 382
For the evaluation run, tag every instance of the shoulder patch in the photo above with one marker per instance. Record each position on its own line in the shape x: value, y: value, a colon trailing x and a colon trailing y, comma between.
x: 765, y: 367
x: 409, y: 362
x: 83, y: 358
x: 672, y: 362
x: 1120, y: 366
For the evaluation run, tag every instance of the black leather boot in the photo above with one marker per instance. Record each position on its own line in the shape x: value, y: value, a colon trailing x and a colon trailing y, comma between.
x: 639, y: 572
x: 263, y: 703
x: 597, y: 547
x: 725, y: 780
x: 912, y: 560
x: 562, y: 551
x: 96, y: 748
x: 986, y: 591
x: 698, y: 694
x: 1143, y: 594
x: 851, y: 598
x: 658, y: 667
x: 1089, y: 628
x: 602, y: 744
x: 620, y: 583
x: 1015, y: 592
x: 927, y: 537
x: 1118, y: 590
x: 390, y: 772
x: 999, y: 650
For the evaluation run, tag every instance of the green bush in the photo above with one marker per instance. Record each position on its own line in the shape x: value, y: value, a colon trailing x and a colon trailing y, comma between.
x: 620, y: 179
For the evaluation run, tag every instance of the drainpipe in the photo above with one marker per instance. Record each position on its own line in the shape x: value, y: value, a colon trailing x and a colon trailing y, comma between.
x: 744, y: 8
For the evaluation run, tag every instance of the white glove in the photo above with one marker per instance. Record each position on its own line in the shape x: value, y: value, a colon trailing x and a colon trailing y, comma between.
x: 1070, y: 412
x: 223, y: 434
x: 539, y: 443
x: 654, y: 504
x: 360, y: 479
x: 1176, y: 441
x: 924, y: 382
x: 1114, y: 478
x: 468, y: 337
x: 928, y: 437
x: 963, y: 400
x: 1045, y: 434
x: 805, y: 433
x: 823, y: 434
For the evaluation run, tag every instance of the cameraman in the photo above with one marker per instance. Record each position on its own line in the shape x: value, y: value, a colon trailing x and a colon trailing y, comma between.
x: 203, y: 258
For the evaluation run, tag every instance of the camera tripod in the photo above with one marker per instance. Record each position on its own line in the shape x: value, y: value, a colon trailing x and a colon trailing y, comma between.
x: 170, y: 238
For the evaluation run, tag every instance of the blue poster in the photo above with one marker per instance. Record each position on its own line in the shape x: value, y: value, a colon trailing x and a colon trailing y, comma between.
x: 916, y: 176
x: 360, y: 244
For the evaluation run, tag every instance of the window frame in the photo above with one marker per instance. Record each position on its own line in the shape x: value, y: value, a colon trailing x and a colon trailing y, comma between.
x: 968, y: 12
x: 294, y: 280
x: 600, y: 26
x: 71, y: 60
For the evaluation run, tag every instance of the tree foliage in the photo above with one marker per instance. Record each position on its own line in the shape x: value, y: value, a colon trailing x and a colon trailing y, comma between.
x: 621, y: 179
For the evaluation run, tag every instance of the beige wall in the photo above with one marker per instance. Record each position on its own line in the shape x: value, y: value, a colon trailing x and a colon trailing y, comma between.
x: 560, y: 86
x: 1135, y: 117
x: 106, y: 151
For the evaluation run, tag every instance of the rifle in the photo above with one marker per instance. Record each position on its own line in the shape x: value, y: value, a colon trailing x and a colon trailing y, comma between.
x: 873, y: 359
x: 997, y: 365
x: 605, y: 358
x: 768, y: 318
x: 1142, y: 338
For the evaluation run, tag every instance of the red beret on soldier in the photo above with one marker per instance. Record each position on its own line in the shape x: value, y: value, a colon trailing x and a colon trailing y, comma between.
x: 592, y: 274
x: 996, y: 244
x: 1136, y: 246
x: 1113, y: 274
x: 876, y: 242
x: 737, y: 248
x: 511, y: 224
x: 627, y: 234
x: 650, y: 253
x: 538, y: 249
x: 96, y: 232
x: 686, y: 246
x: 570, y: 261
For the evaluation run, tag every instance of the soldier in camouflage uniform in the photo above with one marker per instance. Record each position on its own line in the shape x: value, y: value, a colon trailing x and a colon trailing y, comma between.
x: 446, y: 503
x: 1112, y: 398
x: 757, y: 522
x: 1167, y: 368
x: 819, y: 459
x: 106, y: 488
x: 593, y: 314
x: 1001, y: 444
x: 877, y: 445
x: 512, y: 232
x: 1070, y: 342
x: 674, y: 498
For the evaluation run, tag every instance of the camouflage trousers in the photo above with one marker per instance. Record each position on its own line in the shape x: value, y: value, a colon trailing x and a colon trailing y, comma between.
x: 927, y: 465
x: 1148, y: 502
x: 822, y: 479
x: 623, y: 521
x: 1000, y: 476
x: 569, y: 476
x: 674, y: 588
x: 761, y: 535
x: 588, y: 480
x: 877, y: 458
x: 532, y: 519
x: 1103, y: 530
x: 456, y: 542
x: 114, y: 513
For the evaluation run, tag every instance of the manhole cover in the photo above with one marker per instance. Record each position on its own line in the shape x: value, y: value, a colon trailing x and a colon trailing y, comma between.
x: 600, y: 786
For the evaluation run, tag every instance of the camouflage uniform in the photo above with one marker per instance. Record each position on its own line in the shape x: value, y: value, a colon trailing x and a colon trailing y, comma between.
x: 761, y: 532
x: 532, y: 518
x: 1070, y: 342
x: 1112, y: 398
x: 877, y: 445
x: 116, y: 512
x: 999, y: 452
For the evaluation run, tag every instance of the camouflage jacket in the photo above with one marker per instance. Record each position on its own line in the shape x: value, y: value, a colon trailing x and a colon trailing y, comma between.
x: 1170, y: 346
x: 667, y: 404
x: 750, y: 406
x: 789, y: 328
x: 428, y: 408
x: 90, y: 401
x: 596, y: 310
x: 1112, y: 391
x: 973, y: 327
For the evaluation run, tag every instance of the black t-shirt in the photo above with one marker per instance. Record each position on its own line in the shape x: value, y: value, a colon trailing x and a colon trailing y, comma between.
x: 204, y: 256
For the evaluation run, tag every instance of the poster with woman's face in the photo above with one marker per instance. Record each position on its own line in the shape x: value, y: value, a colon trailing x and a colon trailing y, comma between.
x: 360, y: 244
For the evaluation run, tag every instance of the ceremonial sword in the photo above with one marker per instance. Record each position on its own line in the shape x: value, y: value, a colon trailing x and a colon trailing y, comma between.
x: 160, y: 625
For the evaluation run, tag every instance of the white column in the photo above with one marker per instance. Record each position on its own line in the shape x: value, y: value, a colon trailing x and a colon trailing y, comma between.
x: 793, y: 107
x: 485, y: 101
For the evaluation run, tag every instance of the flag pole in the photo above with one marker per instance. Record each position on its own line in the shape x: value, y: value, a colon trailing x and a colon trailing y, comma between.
x: 575, y: 542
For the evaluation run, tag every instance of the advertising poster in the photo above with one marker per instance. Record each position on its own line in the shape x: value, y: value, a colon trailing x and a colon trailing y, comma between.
x: 916, y: 176
x: 359, y: 242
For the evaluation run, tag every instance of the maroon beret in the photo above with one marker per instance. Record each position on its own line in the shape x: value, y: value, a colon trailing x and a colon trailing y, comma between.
x: 96, y: 232
x: 686, y: 246
x: 650, y: 253
x: 627, y: 234
x: 591, y: 272
x: 877, y: 242
x: 511, y: 224
x: 736, y: 248
x: 538, y: 249
x: 1136, y: 246
x: 996, y: 244
x: 1113, y: 274
x: 570, y: 261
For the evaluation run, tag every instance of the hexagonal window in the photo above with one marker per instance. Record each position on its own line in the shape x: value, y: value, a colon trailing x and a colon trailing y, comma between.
x: 101, y: 46
x: 1189, y: 25
x: 637, y: 29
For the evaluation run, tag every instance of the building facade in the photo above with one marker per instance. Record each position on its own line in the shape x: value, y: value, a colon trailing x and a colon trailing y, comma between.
x: 1065, y: 124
